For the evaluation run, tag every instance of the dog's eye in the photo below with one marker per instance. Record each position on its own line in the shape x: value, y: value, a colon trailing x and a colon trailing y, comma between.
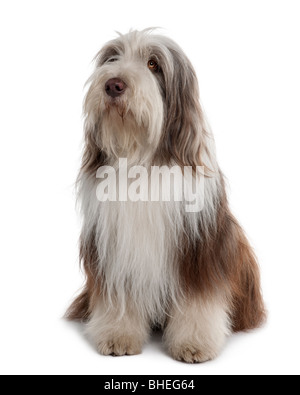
x: 152, y: 65
x: 111, y: 60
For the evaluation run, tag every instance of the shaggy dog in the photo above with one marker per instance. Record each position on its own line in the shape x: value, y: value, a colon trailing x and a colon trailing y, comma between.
x: 152, y: 263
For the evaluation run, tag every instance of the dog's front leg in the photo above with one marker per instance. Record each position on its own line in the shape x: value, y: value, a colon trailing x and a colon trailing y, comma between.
x: 197, y: 329
x: 118, y: 331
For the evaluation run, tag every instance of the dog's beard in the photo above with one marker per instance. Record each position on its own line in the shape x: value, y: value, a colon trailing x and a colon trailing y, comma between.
x: 122, y: 136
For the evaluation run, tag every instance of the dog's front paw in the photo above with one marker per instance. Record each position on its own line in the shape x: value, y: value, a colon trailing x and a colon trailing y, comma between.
x: 123, y: 345
x: 190, y: 353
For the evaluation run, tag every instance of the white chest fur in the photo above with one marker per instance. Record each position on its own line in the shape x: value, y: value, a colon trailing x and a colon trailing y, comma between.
x: 138, y: 244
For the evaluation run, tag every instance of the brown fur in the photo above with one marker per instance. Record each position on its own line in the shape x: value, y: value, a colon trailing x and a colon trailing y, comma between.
x: 82, y: 306
x: 223, y: 261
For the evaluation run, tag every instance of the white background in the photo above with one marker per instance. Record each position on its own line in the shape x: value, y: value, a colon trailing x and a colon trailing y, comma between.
x: 247, y: 57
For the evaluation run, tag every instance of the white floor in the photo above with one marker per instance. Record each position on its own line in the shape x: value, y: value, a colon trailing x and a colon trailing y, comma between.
x: 59, y: 347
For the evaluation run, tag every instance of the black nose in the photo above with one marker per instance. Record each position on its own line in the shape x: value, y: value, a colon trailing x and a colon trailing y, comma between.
x: 115, y: 87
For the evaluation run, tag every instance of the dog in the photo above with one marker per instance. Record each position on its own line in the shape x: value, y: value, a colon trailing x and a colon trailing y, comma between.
x: 153, y: 263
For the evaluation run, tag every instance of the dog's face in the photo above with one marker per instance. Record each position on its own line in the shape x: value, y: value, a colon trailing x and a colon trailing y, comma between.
x: 143, y: 96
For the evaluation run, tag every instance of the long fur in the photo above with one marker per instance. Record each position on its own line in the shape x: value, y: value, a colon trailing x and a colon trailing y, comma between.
x: 153, y: 258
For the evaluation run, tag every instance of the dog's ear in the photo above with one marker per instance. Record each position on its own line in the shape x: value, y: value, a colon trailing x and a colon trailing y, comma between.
x: 93, y: 156
x: 184, y: 130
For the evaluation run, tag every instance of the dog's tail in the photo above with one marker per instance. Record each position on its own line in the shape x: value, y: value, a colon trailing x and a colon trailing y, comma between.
x: 80, y: 308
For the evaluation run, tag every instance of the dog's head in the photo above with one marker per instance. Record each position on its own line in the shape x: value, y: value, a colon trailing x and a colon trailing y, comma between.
x: 143, y: 101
